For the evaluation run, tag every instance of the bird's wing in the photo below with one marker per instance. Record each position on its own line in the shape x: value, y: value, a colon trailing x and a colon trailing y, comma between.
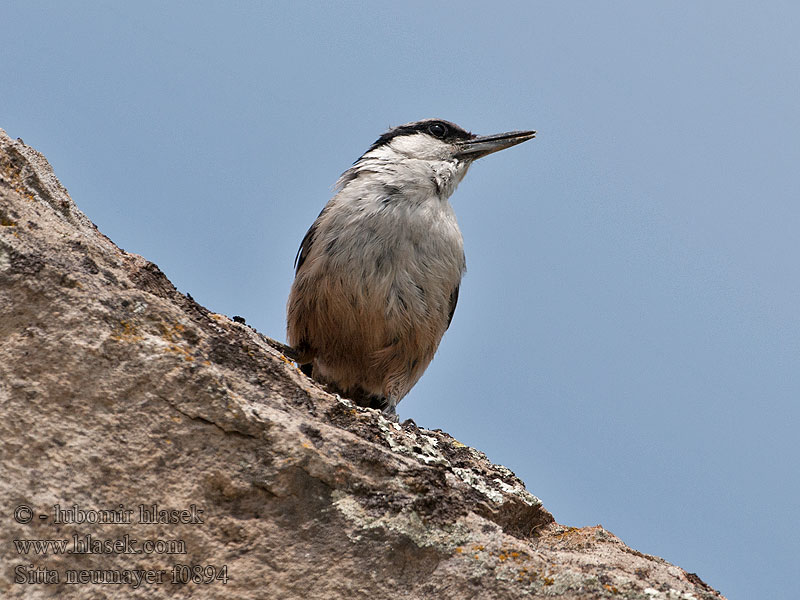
x: 453, y: 302
x: 305, y: 246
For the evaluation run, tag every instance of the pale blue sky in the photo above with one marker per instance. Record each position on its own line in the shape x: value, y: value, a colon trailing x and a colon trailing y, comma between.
x: 627, y: 338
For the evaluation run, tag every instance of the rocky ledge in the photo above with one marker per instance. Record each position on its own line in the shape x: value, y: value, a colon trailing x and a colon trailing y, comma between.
x: 153, y: 448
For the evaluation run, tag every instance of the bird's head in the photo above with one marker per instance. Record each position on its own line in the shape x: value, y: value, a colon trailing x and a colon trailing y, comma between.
x: 436, y: 139
x: 429, y: 150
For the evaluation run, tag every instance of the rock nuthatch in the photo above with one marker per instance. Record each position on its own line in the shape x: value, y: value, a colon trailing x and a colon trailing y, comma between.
x: 378, y: 273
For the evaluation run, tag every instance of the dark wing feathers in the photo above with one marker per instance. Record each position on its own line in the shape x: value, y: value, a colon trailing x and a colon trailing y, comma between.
x: 453, y: 302
x: 305, y: 246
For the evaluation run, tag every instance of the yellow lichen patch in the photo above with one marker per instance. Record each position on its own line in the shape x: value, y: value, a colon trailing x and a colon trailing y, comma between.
x: 5, y: 222
x: 530, y: 576
x: 180, y: 350
x: 173, y: 334
x: 457, y: 444
x: 567, y: 533
x: 291, y: 363
x: 126, y: 331
x: 611, y: 588
x: 579, y: 538
x: 24, y: 193
x: 459, y: 550
x: 13, y: 175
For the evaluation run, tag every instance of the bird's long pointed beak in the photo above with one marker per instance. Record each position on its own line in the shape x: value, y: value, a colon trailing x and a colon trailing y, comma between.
x: 486, y: 144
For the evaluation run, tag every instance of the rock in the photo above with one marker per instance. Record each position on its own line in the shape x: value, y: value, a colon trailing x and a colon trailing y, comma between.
x: 186, y: 457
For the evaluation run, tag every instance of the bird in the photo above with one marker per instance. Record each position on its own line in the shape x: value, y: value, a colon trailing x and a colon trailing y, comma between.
x: 377, y: 274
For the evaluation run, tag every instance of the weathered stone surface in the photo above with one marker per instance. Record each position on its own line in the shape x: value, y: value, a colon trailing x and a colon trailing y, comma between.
x: 117, y: 391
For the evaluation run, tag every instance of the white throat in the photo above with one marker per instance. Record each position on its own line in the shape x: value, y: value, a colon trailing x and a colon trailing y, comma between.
x: 417, y: 167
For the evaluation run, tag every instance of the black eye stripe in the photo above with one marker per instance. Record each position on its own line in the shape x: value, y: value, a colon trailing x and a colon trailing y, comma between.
x: 451, y: 132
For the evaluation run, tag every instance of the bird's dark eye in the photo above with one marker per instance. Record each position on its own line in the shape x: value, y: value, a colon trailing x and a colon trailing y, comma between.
x: 437, y: 130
